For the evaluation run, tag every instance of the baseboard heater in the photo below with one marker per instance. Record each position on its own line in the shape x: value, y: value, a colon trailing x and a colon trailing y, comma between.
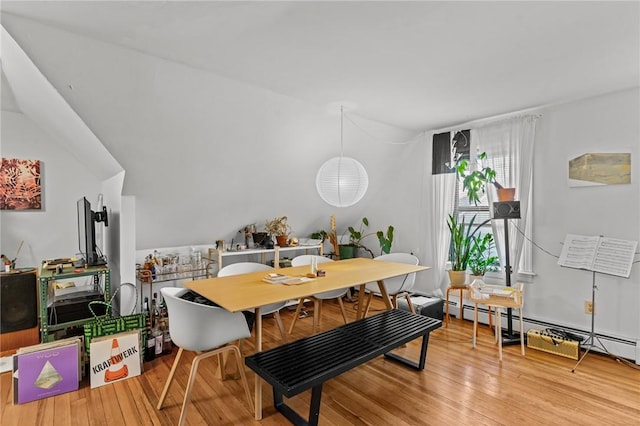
x: 624, y: 348
x: 548, y: 342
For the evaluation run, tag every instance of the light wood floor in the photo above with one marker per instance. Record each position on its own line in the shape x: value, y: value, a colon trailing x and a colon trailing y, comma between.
x: 459, y: 386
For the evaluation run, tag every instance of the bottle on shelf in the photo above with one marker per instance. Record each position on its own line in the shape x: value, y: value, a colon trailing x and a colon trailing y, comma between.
x: 147, y: 271
x: 150, y: 347
x: 158, y: 325
x: 163, y: 309
x: 155, y: 313
x: 157, y: 337
x: 167, y: 344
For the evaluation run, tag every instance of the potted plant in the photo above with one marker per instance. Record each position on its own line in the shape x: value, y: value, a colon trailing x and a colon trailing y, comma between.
x: 474, y: 181
x: 480, y: 260
x: 461, y: 248
x: 348, y: 251
x: 279, y: 228
x: 356, y: 236
x: 319, y: 235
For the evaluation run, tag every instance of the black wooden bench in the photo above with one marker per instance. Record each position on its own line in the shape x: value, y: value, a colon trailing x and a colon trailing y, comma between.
x: 309, y: 362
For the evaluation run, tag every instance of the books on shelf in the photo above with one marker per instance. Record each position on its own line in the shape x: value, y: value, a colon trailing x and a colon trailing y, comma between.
x: 598, y: 254
x: 52, y: 264
x: 48, y: 369
x: 275, y: 278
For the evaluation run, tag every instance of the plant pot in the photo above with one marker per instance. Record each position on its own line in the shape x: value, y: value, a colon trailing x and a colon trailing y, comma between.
x: 457, y: 278
x: 506, y: 194
x: 281, y: 240
x: 472, y: 278
x: 347, y: 251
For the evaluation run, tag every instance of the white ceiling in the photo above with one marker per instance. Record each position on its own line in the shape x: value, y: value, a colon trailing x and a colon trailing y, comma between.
x: 416, y: 65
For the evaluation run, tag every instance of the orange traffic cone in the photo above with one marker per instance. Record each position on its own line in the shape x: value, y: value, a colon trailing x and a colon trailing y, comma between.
x: 117, y: 369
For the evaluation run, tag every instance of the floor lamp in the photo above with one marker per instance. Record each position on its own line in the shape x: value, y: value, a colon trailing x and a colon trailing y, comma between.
x: 507, y: 210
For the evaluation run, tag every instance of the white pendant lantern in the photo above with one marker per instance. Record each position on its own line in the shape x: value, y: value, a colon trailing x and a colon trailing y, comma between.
x: 342, y: 181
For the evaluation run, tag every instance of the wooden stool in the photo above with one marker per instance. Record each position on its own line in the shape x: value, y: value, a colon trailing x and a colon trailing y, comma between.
x: 462, y: 290
x: 513, y: 301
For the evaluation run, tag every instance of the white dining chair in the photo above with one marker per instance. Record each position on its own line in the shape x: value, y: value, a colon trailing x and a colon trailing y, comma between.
x: 396, y: 286
x: 273, y: 308
x: 206, y: 330
x: 317, y: 299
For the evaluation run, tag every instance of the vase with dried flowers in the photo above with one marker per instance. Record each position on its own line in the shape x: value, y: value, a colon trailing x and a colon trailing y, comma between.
x: 279, y: 228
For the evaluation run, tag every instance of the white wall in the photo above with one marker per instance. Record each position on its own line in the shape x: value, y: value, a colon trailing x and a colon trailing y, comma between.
x: 52, y: 232
x: 608, y: 123
x: 127, y: 258
x: 108, y: 239
x: 206, y: 155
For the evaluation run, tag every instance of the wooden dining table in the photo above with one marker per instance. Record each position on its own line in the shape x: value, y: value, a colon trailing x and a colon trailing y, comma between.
x: 249, y: 291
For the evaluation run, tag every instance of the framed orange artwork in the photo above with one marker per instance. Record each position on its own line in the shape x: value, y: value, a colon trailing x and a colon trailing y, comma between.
x: 20, y: 184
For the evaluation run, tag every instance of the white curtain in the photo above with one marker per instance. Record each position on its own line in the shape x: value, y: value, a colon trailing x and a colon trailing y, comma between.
x: 442, y: 205
x: 512, y: 139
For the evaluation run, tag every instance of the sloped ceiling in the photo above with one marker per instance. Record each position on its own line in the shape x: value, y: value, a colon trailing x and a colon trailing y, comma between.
x: 37, y: 98
x: 7, y: 98
x: 415, y: 65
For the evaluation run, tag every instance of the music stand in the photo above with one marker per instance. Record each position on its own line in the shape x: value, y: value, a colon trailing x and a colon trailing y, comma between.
x: 597, y: 254
x: 507, y: 210
x: 591, y: 341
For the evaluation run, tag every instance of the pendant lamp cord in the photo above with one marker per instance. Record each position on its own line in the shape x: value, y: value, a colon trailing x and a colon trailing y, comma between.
x: 341, y: 130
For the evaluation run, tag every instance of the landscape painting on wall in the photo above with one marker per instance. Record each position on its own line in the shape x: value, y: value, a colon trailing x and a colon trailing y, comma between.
x: 20, y: 184
x: 591, y: 169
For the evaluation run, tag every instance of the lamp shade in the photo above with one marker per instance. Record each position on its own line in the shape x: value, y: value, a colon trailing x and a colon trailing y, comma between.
x: 342, y: 181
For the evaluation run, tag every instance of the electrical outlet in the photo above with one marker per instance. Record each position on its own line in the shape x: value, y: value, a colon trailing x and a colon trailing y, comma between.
x: 588, y: 307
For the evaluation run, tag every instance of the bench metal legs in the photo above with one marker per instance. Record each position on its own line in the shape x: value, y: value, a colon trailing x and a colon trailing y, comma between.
x: 316, y: 391
x: 423, y: 356
x: 295, y: 418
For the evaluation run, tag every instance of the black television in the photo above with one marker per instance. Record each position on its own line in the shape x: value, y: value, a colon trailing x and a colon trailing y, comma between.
x: 87, y: 220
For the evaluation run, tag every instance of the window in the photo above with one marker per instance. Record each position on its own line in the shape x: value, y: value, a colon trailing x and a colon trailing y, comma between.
x: 465, y: 210
x: 509, y: 144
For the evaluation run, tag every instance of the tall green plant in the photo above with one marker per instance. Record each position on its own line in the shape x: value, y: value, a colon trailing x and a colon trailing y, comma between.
x: 356, y: 237
x: 385, y: 240
x: 474, y: 181
x: 461, y: 242
x: 480, y: 260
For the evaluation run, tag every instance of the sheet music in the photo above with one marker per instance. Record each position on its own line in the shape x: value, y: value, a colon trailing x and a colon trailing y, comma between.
x: 614, y: 257
x: 600, y: 254
x: 578, y: 251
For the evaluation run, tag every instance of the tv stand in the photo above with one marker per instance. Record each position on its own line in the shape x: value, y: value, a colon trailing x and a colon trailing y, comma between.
x: 99, y: 273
